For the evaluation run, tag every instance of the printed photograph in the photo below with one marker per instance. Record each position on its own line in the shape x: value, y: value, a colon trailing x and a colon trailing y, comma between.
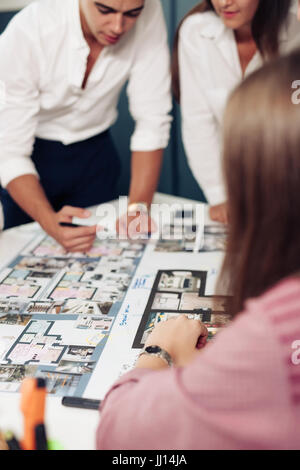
x: 59, y: 383
x: 49, y: 308
x: 181, y: 281
x: 75, y: 307
x: 7, y: 306
x: 78, y: 353
x: 16, y: 373
x: 14, y: 319
x: 102, y: 323
x: 182, y: 238
x: 76, y: 368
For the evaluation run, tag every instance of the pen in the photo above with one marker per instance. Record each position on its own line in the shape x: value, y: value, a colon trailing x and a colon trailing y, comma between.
x: 67, y: 224
x: 79, y: 402
x: 33, y: 400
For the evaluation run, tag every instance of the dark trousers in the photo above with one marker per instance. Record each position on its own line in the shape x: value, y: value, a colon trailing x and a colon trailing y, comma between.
x: 82, y: 174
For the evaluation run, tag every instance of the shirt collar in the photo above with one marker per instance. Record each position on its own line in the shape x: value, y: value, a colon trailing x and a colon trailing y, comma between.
x: 215, y: 28
x: 74, y: 14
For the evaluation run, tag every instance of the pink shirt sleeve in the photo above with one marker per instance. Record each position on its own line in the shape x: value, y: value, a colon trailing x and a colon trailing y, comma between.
x: 232, y: 396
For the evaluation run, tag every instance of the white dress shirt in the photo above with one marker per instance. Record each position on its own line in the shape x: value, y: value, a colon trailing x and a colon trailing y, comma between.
x: 209, y: 71
x: 43, y: 57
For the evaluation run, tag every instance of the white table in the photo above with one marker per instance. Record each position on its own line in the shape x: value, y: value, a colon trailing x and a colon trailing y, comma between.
x: 74, y: 428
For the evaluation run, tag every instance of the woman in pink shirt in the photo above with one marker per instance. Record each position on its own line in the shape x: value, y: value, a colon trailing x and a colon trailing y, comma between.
x: 242, y: 390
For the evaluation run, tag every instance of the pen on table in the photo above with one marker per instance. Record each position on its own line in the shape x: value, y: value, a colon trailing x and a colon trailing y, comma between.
x: 79, y: 402
x: 33, y: 400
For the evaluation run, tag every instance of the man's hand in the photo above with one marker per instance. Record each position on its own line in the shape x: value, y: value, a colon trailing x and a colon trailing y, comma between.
x: 180, y: 337
x: 136, y: 227
x: 28, y: 193
x: 219, y: 213
x: 72, y: 239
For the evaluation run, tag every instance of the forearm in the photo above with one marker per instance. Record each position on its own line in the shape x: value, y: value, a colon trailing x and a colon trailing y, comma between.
x: 28, y: 193
x: 145, y: 172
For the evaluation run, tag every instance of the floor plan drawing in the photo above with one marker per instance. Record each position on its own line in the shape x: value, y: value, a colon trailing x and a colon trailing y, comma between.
x: 180, y: 292
x: 57, y: 311
x: 80, y: 319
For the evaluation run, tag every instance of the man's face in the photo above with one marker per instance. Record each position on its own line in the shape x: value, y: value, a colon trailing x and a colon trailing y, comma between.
x: 108, y: 20
x: 236, y: 13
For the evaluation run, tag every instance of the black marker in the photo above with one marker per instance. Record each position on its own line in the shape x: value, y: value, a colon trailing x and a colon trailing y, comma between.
x: 67, y: 224
x: 78, y: 402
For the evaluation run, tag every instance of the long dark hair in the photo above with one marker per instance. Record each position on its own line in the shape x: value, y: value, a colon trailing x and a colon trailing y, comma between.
x: 267, y: 22
x: 262, y: 174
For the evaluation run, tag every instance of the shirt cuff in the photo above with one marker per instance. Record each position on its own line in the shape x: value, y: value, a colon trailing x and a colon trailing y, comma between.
x: 15, y: 167
x: 215, y: 195
x: 147, y: 141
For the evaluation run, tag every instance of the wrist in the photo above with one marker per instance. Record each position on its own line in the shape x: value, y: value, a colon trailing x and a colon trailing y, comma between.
x: 150, y: 362
x: 157, y: 351
x: 48, y: 221
x: 138, y: 207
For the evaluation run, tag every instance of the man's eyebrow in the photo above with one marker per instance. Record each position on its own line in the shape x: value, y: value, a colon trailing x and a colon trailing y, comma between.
x: 134, y: 10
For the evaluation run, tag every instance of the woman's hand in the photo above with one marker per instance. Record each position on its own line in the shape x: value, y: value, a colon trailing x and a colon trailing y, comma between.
x: 180, y: 337
x: 219, y: 213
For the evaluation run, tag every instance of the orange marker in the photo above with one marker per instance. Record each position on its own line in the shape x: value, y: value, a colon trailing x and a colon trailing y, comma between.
x: 33, y: 401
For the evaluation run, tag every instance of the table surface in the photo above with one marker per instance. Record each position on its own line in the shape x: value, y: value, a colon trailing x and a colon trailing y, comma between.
x: 74, y: 428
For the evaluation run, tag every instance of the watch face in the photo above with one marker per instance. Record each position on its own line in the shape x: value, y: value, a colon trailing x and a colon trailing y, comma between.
x: 153, y: 349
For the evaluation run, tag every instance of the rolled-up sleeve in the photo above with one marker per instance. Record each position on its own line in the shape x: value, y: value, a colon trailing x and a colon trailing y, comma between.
x: 149, y: 87
x: 19, y: 102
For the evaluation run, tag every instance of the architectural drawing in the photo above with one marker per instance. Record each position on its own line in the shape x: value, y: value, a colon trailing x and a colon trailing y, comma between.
x: 57, y: 311
x: 64, y: 316
x: 181, y: 235
x: 182, y: 292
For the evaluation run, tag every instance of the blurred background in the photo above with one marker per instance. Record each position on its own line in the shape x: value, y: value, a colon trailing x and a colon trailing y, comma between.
x: 176, y: 177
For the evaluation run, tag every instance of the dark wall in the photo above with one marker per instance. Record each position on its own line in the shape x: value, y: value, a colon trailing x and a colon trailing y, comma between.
x: 4, y: 19
x: 176, y: 177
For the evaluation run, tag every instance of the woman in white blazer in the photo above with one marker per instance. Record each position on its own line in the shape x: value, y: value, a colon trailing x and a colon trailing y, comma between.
x: 217, y: 44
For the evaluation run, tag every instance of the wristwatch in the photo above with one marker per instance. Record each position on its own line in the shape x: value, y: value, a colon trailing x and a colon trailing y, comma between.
x: 135, y: 207
x: 158, y: 352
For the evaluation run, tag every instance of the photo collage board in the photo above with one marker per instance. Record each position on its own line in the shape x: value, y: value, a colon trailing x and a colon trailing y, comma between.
x: 57, y: 311
x: 178, y: 292
x: 181, y: 235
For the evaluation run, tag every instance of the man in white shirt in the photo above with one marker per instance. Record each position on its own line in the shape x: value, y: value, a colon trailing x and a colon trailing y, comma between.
x: 62, y: 67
